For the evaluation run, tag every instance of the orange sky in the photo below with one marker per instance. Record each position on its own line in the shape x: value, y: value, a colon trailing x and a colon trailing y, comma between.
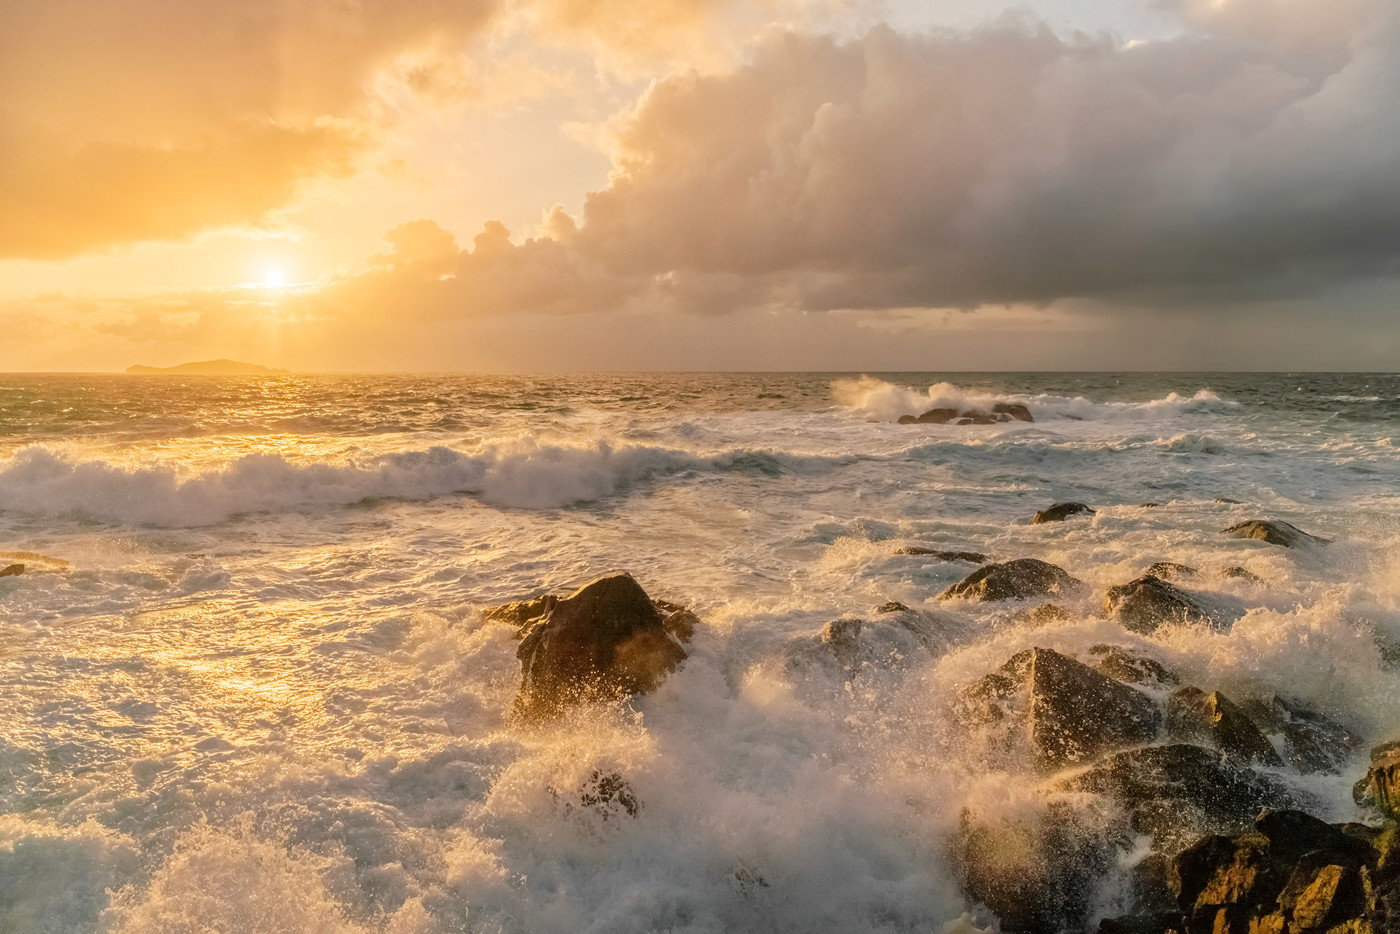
x: 560, y: 184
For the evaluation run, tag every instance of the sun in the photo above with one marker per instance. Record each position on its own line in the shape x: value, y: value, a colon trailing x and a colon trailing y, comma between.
x: 273, y: 279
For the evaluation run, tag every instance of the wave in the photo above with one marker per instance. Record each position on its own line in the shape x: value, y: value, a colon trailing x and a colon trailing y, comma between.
x: 886, y: 402
x: 523, y: 474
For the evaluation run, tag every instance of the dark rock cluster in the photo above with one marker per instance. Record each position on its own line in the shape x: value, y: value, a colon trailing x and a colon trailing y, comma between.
x: 1000, y: 412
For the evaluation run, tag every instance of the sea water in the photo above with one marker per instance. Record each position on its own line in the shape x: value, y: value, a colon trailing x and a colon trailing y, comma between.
x: 246, y: 684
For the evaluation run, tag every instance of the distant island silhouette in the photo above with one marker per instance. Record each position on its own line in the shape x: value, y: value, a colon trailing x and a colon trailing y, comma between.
x: 208, y: 368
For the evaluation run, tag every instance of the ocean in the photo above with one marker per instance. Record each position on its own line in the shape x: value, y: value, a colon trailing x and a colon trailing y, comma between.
x: 248, y: 687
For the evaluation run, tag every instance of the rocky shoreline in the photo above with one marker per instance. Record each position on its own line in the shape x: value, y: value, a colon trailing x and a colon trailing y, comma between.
x: 1123, y: 756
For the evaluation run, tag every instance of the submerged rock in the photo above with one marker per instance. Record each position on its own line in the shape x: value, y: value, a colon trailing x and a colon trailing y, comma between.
x: 1013, y: 580
x: 1275, y: 532
x: 974, y: 557
x: 605, y: 640
x: 1148, y: 602
x: 1066, y: 711
x: 1239, y: 573
x: 1193, y: 716
x: 13, y: 570
x: 1060, y: 512
x: 1122, y: 665
x: 1167, y: 571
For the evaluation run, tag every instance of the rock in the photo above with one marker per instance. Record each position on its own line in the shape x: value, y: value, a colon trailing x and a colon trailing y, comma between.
x: 937, y: 417
x: 1162, y: 923
x: 1035, y: 871
x: 1222, y: 501
x: 1239, y: 573
x: 1193, y: 716
x: 13, y: 570
x: 1381, y: 786
x: 1312, y: 742
x: 1060, y: 512
x: 1015, y: 409
x: 522, y: 613
x: 607, y: 639
x: 1177, y: 792
x: 1148, y: 602
x: 1293, y: 833
x: 977, y: 418
x: 1149, y: 505
x: 1122, y: 665
x: 1275, y: 533
x: 974, y: 557
x: 1167, y: 571
x: 848, y: 646
x: 894, y: 606
x: 1071, y: 713
x: 1012, y: 580
x: 1042, y: 614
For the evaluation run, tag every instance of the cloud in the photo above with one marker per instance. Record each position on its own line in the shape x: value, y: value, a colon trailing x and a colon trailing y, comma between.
x: 132, y: 120
x: 1007, y: 165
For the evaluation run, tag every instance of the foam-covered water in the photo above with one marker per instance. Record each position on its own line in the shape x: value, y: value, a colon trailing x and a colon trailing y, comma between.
x: 252, y: 690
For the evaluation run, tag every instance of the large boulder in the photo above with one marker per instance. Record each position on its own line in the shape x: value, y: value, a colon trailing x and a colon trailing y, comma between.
x: 1063, y: 710
x: 1060, y: 512
x: 607, y: 639
x: 1001, y: 412
x: 1013, y: 580
x: 1193, y: 716
x: 1148, y: 602
x: 1274, y: 532
x: 1016, y: 410
x: 1178, y: 791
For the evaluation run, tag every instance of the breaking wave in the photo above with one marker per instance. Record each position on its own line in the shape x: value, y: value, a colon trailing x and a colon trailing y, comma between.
x: 886, y: 402
x: 523, y: 474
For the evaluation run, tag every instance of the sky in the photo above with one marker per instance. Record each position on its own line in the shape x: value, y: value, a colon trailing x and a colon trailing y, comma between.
x: 544, y: 185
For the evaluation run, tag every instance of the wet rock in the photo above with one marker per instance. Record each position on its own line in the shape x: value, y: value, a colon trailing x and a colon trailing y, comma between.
x: 1122, y: 665
x: 1060, y: 512
x: 1312, y: 742
x: 894, y: 606
x: 1016, y: 410
x: 1381, y: 786
x: 1070, y: 712
x: 974, y: 557
x: 13, y: 570
x: 1035, y: 871
x: 1275, y: 533
x: 1149, y: 505
x: 977, y: 418
x: 1040, y: 615
x: 849, y: 645
x: 1193, y: 716
x: 1167, y: 571
x: 522, y: 613
x: 605, y: 640
x: 1222, y: 501
x: 1239, y: 573
x: 1148, y: 602
x: 1013, y: 580
x: 1177, y: 792
x: 1001, y: 412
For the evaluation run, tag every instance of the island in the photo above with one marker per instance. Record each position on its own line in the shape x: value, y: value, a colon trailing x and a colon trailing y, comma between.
x: 208, y: 368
